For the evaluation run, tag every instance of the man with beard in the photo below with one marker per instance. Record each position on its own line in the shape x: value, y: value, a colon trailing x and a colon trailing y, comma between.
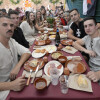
x: 9, y: 65
x: 76, y: 29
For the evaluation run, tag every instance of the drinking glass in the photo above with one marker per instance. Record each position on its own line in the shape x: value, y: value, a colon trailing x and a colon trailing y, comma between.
x: 54, y: 73
x: 64, y: 84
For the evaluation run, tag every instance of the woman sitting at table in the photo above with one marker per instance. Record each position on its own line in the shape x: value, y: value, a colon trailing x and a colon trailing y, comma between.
x: 43, y: 11
x: 29, y: 26
x: 39, y: 20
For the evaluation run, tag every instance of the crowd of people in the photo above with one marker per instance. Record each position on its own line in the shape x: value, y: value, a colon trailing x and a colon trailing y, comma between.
x: 16, y: 37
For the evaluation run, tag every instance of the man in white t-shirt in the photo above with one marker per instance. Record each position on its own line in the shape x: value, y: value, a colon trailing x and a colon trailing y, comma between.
x: 9, y: 65
x: 92, y: 43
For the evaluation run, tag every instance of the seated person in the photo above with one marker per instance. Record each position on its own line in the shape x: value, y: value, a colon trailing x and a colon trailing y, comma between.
x: 43, y: 12
x: 76, y: 29
x: 61, y: 16
x: 9, y: 65
x: 18, y: 33
x: 28, y: 28
x: 68, y: 20
x: 92, y: 43
x: 40, y: 24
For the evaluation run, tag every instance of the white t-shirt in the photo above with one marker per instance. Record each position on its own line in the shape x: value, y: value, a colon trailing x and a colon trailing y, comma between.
x: 93, y: 44
x: 28, y: 31
x: 8, y: 60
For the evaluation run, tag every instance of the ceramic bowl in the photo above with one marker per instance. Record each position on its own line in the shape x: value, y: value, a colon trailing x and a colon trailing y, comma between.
x: 40, y: 83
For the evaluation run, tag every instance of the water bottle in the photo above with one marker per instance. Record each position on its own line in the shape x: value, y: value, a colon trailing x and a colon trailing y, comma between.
x: 57, y: 38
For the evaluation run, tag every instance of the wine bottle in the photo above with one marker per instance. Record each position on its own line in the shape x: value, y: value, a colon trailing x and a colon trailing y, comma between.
x: 57, y: 38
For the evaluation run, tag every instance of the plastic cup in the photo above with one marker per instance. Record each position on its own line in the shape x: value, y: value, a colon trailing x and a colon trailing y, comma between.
x: 64, y: 84
x: 54, y: 73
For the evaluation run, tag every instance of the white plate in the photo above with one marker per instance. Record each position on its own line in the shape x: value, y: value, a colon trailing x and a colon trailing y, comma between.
x: 50, y: 48
x: 49, y: 29
x: 37, y: 55
x: 70, y: 66
x: 52, y: 37
x: 56, y: 64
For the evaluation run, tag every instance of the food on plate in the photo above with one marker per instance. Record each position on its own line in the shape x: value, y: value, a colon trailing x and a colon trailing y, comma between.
x: 37, y: 51
x: 68, y: 48
x: 52, y: 32
x: 67, y: 42
x: 33, y: 63
x: 42, y: 37
x: 40, y: 51
x: 59, y: 66
x: 43, y: 50
x: 52, y: 65
x: 82, y: 82
x: 56, y: 55
x: 51, y: 48
x: 79, y: 68
x: 52, y: 36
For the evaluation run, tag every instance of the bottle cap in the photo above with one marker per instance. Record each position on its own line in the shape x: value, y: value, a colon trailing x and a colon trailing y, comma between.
x: 57, y: 30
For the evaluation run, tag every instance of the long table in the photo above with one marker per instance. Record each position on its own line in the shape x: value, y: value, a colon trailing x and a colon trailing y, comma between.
x: 54, y: 92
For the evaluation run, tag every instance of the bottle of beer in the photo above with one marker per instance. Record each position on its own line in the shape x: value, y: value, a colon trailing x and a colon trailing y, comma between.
x: 57, y: 38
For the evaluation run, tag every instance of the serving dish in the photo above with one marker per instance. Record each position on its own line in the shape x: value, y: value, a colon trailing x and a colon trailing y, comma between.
x: 32, y: 64
x: 76, y: 66
x: 40, y: 83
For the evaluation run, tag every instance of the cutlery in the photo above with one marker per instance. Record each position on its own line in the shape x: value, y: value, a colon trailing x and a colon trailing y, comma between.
x: 28, y: 80
x: 39, y: 64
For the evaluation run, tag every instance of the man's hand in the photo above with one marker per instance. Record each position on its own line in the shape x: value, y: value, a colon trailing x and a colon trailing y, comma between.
x: 14, y: 73
x: 94, y: 76
x: 18, y: 84
x: 91, y: 53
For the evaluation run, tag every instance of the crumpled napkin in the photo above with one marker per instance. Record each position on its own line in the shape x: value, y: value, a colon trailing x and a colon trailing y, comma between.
x: 72, y: 51
x: 26, y: 73
x: 48, y: 79
x: 74, y: 58
x: 72, y: 83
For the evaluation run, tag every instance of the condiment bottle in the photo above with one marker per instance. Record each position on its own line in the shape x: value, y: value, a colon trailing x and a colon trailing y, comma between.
x: 57, y: 38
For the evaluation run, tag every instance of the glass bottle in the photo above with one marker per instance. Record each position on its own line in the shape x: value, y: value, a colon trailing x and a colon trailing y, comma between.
x: 57, y: 38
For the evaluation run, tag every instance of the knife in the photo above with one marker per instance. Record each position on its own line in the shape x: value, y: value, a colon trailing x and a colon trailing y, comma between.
x: 36, y: 72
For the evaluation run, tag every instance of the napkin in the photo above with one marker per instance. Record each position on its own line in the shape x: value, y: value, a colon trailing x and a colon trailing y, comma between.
x: 63, y: 36
x: 26, y: 73
x: 72, y: 83
x: 74, y: 58
x: 48, y: 79
x: 72, y: 51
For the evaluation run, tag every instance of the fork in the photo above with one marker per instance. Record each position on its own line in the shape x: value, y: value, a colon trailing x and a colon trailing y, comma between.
x: 29, y: 77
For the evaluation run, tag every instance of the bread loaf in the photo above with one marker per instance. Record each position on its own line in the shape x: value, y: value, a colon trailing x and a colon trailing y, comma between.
x: 82, y: 82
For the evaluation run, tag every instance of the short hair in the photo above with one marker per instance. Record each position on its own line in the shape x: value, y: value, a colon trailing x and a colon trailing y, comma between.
x: 5, y: 17
x: 42, y: 7
x: 73, y: 10
x: 66, y: 13
x: 90, y: 18
x: 13, y: 12
x: 4, y: 10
